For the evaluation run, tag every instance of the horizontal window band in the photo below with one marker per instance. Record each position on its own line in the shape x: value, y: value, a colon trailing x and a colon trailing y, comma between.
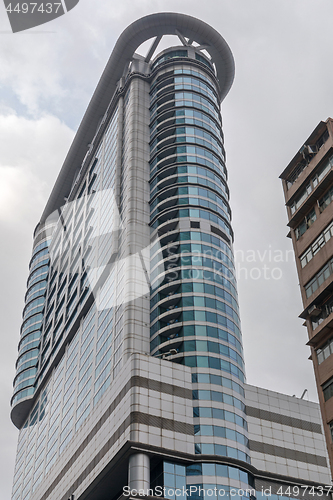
x: 134, y: 417
x: 283, y: 419
x: 279, y: 451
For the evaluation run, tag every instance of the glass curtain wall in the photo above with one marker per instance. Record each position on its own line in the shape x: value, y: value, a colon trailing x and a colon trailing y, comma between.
x: 194, y: 305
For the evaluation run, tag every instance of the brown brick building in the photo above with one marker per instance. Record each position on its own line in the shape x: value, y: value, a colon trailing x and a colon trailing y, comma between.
x: 308, y: 189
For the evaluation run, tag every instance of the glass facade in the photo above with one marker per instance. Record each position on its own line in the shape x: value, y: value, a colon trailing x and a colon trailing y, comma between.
x: 194, y: 308
x: 64, y: 308
x: 33, y: 314
x: 200, y: 480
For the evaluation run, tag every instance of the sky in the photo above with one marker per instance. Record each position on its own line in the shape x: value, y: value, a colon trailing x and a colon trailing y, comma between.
x: 282, y: 90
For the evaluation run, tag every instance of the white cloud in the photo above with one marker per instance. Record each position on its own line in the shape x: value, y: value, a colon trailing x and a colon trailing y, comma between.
x: 32, y: 152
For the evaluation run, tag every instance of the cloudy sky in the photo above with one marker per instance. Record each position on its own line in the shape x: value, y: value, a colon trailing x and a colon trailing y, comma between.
x: 282, y: 89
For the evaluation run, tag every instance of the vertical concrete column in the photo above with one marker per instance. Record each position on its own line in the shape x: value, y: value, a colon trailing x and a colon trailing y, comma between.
x: 135, y: 220
x: 139, y: 472
x: 120, y: 139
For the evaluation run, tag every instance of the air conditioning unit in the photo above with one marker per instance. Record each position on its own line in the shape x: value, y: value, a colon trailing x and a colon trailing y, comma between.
x: 314, y: 310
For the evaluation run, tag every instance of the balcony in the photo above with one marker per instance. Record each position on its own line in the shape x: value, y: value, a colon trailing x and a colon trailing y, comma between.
x: 306, y: 159
x: 322, y: 324
x: 316, y: 185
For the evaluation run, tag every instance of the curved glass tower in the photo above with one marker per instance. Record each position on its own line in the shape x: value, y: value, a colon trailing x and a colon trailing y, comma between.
x: 194, y: 309
x: 130, y: 372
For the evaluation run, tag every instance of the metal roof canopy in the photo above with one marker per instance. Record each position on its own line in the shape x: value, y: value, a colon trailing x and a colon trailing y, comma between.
x: 155, y: 25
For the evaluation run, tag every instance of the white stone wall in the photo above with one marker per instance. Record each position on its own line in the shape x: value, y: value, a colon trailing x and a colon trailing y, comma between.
x: 297, y: 437
x: 148, y: 402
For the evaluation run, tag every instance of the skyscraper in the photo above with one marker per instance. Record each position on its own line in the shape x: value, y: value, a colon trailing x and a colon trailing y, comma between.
x: 308, y: 188
x: 130, y: 368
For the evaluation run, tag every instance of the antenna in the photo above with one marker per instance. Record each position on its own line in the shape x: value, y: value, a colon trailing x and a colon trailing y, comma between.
x: 304, y: 392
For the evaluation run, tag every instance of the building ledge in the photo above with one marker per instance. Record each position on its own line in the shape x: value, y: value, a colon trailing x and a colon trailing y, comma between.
x: 324, y: 329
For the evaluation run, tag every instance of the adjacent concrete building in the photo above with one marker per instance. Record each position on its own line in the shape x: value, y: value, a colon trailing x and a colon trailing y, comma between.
x: 130, y: 368
x: 308, y: 188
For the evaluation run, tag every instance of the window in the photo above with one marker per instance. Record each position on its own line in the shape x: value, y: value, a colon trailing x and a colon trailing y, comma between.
x: 331, y: 429
x: 325, y: 200
x: 322, y: 139
x: 202, y: 59
x: 296, y: 173
x: 301, y: 165
x: 305, y: 224
x: 325, y: 351
x: 170, y: 55
x: 301, y: 198
x: 324, y: 273
x: 320, y: 174
x: 319, y: 242
x: 328, y: 389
